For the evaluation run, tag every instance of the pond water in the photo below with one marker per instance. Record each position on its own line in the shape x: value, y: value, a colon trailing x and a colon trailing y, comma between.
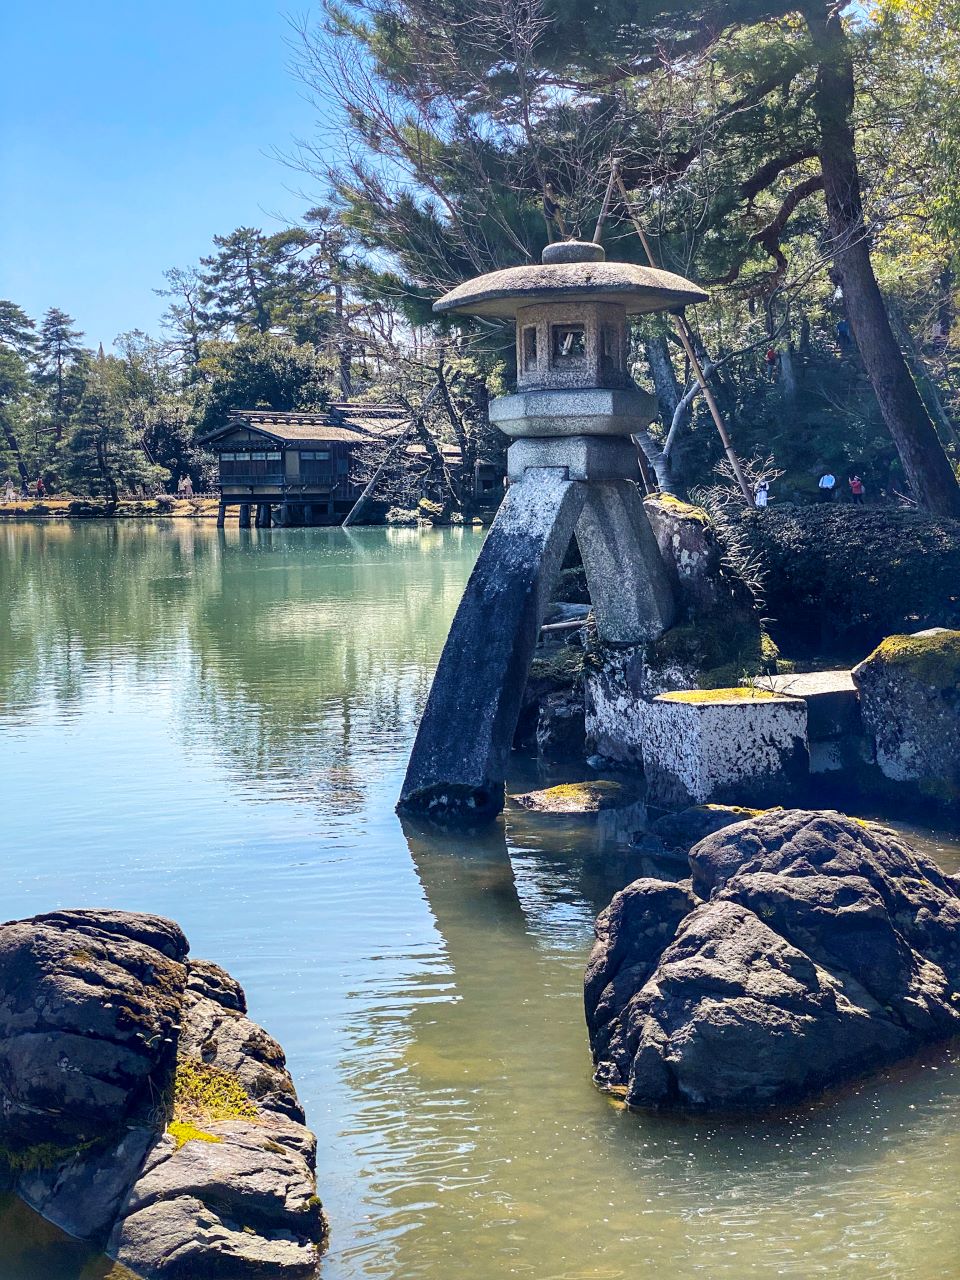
x: 214, y: 727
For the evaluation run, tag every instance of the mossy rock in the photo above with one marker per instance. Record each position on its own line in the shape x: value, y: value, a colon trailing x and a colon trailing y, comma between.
x: 560, y: 668
x: 932, y: 657
x: 577, y: 797
x: 910, y: 703
x: 182, y: 1132
x: 720, y: 649
x: 679, y: 509
x: 203, y: 1094
x: 738, y: 693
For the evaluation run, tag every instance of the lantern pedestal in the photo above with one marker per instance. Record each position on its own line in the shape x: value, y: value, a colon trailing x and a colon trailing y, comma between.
x: 458, y: 764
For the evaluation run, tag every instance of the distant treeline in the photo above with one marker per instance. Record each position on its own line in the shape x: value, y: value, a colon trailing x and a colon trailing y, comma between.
x: 802, y: 166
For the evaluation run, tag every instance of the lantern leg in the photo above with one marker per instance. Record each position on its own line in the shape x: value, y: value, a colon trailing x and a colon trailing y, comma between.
x: 631, y: 594
x: 458, y: 764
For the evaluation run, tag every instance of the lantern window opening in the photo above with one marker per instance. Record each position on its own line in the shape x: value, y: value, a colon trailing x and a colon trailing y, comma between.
x: 569, y: 345
x: 529, y: 348
x: 610, y: 349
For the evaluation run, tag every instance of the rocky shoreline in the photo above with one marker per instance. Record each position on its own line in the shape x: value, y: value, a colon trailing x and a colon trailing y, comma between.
x: 166, y: 508
x: 142, y: 1110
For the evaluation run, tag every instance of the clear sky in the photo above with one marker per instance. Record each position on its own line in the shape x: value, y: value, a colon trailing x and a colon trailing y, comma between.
x: 131, y: 133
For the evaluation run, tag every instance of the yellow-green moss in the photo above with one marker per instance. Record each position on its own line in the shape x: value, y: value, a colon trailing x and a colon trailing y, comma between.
x: 685, y: 510
x: 575, y: 797
x: 738, y: 694
x: 735, y: 808
x: 183, y: 1132
x: 933, y: 659
x: 202, y: 1094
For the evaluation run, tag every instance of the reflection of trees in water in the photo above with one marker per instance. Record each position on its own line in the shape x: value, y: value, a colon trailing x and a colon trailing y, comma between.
x: 315, y: 650
x: 80, y: 598
x: 294, y: 652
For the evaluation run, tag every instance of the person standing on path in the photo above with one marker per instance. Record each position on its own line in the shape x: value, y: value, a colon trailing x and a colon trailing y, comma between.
x: 828, y: 483
x: 761, y: 492
x: 856, y: 490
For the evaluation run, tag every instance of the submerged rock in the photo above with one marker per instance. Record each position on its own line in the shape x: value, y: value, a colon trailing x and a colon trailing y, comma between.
x: 682, y: 830
x: 577, y: 797
x: 910, y: 702
x: 809, y: 948
x: 141, y: 1110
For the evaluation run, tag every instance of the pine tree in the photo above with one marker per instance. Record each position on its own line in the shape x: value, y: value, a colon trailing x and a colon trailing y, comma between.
x: 105, y: 453
x: 60, y: 357
x: 463, y: 104
x: 18, y: 342
x: 239, y: 282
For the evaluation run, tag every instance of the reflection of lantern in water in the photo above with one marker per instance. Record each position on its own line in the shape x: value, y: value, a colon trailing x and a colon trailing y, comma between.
x: 572, y: 468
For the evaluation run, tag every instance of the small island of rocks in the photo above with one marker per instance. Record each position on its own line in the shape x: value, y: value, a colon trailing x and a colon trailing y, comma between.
x: 806, y: 948
x: 142, y: 1110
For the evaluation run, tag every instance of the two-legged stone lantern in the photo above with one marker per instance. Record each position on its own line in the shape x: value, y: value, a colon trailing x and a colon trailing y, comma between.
x: 572, y: 468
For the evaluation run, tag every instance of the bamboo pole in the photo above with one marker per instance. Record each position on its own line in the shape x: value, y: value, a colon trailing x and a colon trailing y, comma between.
x: 605, y: 208
x: 686, y: 338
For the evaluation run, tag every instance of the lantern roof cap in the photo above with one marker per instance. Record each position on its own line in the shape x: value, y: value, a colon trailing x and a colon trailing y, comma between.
x: 571, y: 271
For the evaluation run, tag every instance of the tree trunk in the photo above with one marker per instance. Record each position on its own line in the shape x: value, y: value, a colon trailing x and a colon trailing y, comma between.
x: 926, y: 465
x: 113, y: 496
x: 788, y: 372
x: 465, y: 441
x: 664, y: 377
x: 922, y: 376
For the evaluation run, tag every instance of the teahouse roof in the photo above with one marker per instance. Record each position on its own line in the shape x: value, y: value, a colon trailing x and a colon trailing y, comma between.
x: 571, y: 271
x: 341, y: 421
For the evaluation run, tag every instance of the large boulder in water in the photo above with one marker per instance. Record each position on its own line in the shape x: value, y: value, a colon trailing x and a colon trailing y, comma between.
x: 814, y: 948
x: 910, y: 703
x: 89, y: 1011
x: 142, y: 1110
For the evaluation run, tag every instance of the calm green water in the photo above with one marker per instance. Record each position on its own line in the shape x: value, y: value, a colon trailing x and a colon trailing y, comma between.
x: 214, y: 727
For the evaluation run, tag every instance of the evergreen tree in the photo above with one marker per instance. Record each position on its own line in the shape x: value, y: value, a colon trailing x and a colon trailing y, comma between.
x: 241, y: 282
x: 17, y: 330
x: 60, y: 358
x: 105, y: 453
x: 463, y: 103
x: 18, y: 342
x: 257, y: 371
x: 185, y: 317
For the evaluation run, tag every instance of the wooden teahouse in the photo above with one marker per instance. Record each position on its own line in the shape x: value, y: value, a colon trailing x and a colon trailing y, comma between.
x: 295, y: 467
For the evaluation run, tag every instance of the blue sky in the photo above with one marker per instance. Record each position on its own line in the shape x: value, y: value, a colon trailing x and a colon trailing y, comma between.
x: 131, y: 134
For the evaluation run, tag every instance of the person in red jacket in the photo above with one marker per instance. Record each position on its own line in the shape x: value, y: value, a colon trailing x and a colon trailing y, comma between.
x: 856, y: 490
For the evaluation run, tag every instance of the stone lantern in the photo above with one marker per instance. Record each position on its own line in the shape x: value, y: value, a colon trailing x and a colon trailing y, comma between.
x: 572, y: 468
